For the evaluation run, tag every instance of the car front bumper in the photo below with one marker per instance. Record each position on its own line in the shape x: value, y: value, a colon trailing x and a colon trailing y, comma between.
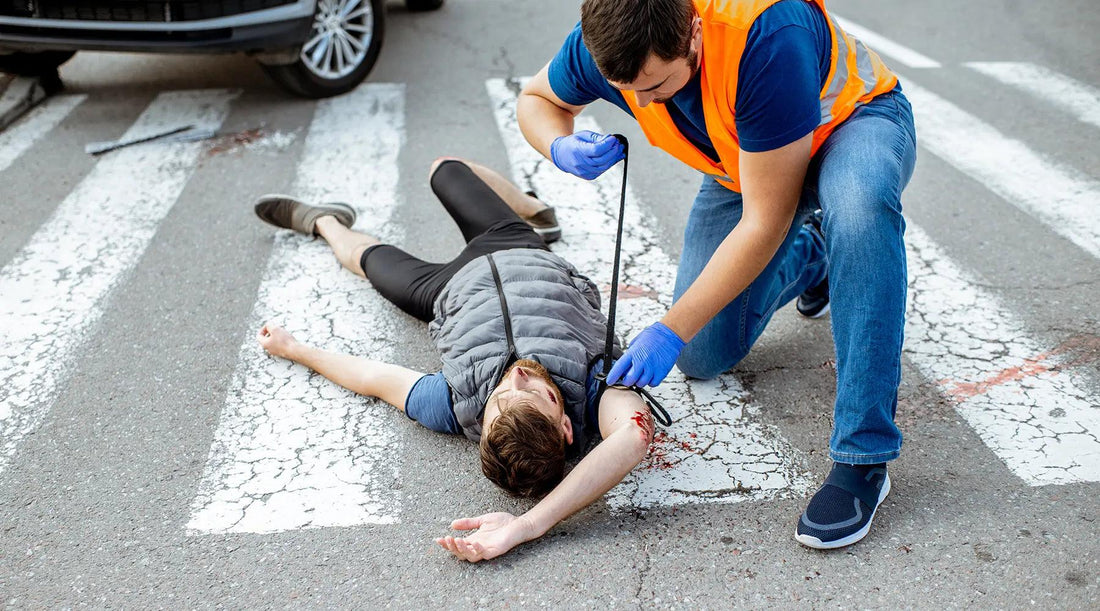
x: 256, y: 31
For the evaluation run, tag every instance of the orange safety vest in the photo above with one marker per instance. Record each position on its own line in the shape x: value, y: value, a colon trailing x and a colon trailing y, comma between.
x: 857, y: 75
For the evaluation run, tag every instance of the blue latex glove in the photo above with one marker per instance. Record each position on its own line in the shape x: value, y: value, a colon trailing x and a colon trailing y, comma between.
x: 649, y: 359
x: 586, y: 154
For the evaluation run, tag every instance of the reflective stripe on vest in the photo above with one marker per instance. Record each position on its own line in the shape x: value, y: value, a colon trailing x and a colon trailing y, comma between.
x: 856, y: 75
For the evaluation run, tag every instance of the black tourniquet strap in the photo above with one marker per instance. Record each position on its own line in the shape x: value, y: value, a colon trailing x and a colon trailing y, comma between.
x: 513, y: 355
x: 659, y: 413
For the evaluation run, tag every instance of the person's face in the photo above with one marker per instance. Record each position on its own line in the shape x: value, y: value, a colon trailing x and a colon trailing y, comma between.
x: 659, y: 80
x: 527, y: 379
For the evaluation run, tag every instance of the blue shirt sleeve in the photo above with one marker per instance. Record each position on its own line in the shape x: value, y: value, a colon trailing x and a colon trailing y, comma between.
x: 429, y: 403
x: 781, y: 74
x: 575, y: 78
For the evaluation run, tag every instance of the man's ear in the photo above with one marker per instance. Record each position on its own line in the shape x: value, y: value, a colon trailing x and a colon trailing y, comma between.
x: 696, y: 33
x: 567, y: 429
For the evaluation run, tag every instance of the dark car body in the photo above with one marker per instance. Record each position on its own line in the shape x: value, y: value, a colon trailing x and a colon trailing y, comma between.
x: 314, y: 48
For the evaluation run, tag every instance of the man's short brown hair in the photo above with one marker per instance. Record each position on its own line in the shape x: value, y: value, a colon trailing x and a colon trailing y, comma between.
x: 621, y: 34
x: 524, y: 451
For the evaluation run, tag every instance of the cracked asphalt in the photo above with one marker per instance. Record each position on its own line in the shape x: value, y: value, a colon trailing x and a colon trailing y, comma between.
x: 97, y: 503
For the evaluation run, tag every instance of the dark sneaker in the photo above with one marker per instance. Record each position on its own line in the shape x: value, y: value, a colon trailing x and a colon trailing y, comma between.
x: 288, y: 213
x: 814, y: 301
x: 544, y: 222
x: 841, y: 511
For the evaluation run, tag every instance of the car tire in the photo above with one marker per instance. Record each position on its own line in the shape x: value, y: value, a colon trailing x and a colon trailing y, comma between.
x: 40, y: 63
x: 423, y: 5
x: 339, y: 51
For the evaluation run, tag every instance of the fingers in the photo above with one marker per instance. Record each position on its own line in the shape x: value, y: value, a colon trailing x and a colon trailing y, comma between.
x: 631, y: 376
x: 604, y: 152
x: 470, y: 551
x: 605, y: 145
x: 620, y: 367
x: 263, y: 336
x: 466, y: 550
x: 607, y: 159
x: 466, y: 523
x: 587, y: 135
x: 449, y: 544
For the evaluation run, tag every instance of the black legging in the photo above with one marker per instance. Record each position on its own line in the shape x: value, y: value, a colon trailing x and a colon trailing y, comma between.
x: 487, y: 225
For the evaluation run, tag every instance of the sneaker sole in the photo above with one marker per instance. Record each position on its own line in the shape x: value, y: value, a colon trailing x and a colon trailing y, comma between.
x: 824, y: 311
x: 548, y: 234
x: 814, y: 542
x: 348, y: 213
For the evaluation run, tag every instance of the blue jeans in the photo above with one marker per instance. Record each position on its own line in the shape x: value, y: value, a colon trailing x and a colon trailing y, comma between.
x: 856, y: 179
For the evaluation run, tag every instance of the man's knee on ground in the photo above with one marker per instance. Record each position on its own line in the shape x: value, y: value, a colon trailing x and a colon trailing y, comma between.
x: 703, y: 365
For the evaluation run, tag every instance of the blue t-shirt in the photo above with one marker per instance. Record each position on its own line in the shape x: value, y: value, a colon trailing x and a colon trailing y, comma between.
x: 782, y: 71
x: 429, y: 402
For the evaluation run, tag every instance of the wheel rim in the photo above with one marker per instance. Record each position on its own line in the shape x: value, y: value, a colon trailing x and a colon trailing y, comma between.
x: 342, y: 33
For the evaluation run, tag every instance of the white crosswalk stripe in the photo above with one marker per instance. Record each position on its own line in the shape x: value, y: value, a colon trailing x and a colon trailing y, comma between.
x: 1078, y: 99
x: 1025, y: 400
x: 714, y: 451
x: 293, y: 450
x: 56, y: 287
x: 17, y: 138
x: 884, y: 46
x: 1060, y: 197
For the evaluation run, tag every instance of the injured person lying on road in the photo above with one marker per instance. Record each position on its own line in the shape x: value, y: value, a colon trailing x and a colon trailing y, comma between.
x: 520, y: 334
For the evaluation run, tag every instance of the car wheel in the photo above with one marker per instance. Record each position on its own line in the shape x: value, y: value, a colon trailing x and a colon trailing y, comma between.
x: 341, y: 49
x: 34, y: 64
x: 423, y: 5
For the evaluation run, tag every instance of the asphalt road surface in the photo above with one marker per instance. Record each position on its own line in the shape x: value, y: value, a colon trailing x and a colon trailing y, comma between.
x: 151, y: 456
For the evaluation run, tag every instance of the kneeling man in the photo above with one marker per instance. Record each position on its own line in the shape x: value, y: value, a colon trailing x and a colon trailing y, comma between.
x: 520, y: 334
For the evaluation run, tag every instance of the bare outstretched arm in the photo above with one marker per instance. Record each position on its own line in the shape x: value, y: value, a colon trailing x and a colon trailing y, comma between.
x: 627, y: 429
x: 390, y: 383
x: 542, y: 115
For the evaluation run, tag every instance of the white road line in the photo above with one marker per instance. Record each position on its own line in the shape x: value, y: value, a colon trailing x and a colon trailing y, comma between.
x: 884, y: 46
x: 1060, y: 197
x: 1078, y: 99
x: 293, y: 450
x: 711, y: 453
x: 1026, y: 401
x: 17, y: 138
x: 53, y: 291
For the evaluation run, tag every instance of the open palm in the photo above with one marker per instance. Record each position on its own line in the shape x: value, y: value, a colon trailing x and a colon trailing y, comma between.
x: 496, y: 534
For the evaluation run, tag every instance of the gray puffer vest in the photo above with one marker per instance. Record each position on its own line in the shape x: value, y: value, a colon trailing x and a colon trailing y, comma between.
x: 548, y: 309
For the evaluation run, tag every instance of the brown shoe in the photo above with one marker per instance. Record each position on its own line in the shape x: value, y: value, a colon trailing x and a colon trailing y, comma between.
x: 545, y: 222
x: 288, y: 213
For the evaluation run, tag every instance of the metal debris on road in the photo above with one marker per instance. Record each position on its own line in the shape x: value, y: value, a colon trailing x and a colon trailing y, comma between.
x: 98, y: 148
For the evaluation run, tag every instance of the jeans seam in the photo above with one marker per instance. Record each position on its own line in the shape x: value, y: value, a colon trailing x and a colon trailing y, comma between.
x: 903, y: 139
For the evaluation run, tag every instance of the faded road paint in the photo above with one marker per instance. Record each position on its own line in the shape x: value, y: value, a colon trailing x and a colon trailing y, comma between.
x: 1027, y: 403
x: 1080, y: 100
x: 17, y: 138
x: 884, y: 46
x: 52, y: 293
x: 731, y: 458
x: 1060, y: 197
x: 294, y: 450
